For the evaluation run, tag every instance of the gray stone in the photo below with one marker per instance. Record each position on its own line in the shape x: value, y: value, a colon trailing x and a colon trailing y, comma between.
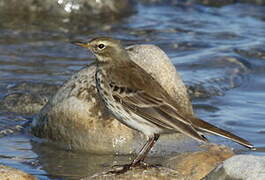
x: 75, y: 118
x: 245, y: 167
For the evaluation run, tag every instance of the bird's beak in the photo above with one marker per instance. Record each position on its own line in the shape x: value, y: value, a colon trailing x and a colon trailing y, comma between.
x: 82, y: 44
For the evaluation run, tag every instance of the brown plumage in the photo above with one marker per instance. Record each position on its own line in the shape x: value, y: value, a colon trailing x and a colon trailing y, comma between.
x: 136, y: 99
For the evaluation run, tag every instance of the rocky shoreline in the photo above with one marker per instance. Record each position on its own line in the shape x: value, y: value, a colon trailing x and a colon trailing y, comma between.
x: 218, y: 163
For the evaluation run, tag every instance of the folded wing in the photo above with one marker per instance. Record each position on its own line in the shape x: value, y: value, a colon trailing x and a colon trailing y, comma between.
x: 157, y: 111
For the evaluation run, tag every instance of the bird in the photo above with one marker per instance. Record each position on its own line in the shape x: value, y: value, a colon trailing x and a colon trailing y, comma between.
x: 140, y: 102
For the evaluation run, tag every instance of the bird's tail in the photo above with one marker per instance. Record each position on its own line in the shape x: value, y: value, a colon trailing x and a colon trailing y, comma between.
x: 209, y: 128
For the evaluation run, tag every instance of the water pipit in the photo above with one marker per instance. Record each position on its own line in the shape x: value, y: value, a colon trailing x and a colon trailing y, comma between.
x: 137, y: 100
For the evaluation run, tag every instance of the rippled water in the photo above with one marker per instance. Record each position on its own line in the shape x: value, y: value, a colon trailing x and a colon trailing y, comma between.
x: 220, y: 51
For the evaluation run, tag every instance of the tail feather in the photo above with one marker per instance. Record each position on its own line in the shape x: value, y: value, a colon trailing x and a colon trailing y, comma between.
x: 206, y: 127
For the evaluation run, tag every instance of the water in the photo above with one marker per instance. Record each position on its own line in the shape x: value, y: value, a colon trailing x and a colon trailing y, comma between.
x: 217, y: 50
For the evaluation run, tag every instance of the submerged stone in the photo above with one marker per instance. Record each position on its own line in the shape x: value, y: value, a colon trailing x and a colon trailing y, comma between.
x: 27, y: 98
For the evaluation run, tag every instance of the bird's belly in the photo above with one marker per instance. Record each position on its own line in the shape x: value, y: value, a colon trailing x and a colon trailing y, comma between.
x: 133, y: 120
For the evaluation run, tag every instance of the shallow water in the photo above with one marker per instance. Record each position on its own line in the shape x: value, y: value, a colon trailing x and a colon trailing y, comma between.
x: 221, y: 50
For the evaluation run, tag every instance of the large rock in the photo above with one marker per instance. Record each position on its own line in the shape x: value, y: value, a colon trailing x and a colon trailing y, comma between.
x: 8, y: 173
x: 74, y: 117
x: 197, y: 165
x: 245, y: 167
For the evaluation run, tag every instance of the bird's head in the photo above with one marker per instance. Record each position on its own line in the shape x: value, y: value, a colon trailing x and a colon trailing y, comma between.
x: 104, y: 48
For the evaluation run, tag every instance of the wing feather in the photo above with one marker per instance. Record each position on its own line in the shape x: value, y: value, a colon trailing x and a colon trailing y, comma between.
x: 158, y: 112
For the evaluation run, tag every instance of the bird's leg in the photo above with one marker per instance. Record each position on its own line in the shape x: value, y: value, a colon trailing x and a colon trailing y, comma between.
x: 140, y: 157
x: 144, y: 151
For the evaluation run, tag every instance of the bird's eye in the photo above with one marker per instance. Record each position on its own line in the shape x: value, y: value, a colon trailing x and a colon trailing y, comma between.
x: 101, y: 46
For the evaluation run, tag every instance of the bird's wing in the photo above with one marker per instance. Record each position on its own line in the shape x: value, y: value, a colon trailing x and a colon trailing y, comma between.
x: 155, y: 110
x: 149, y: 100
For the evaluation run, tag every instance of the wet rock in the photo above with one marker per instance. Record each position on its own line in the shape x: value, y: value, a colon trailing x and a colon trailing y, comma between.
x: 196, y: 165
x: 200, y: 90
x: 240, y: 167
x: 8, y: 173
x: 27, y: 98
x: 67, y: 8
x: 154, y: 173
x: 23, y: 103
x: 75, y: 117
